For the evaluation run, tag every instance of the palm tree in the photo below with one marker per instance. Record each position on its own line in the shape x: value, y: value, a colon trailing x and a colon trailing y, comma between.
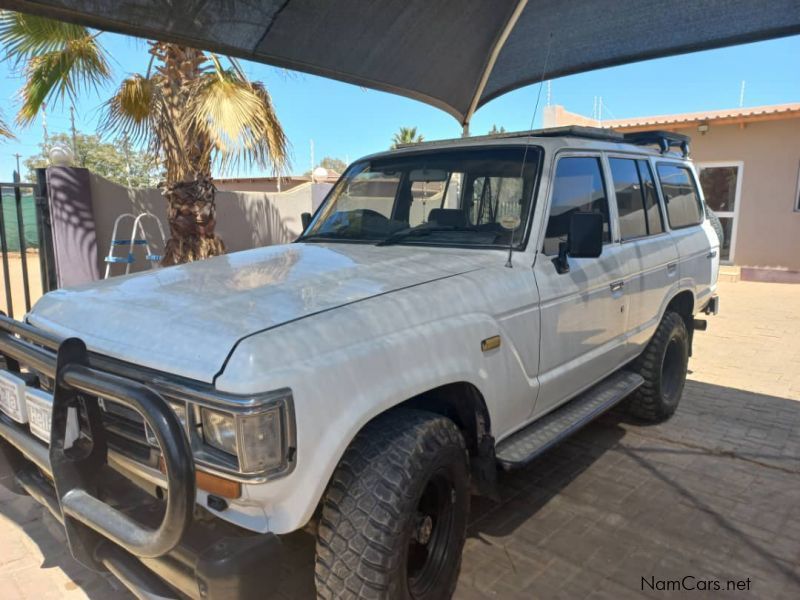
x: 188, y: 108
x: 406, y: 135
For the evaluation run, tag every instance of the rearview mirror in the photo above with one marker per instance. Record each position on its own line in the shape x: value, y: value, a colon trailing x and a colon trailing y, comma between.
x: 584, y: 239
x: 305, y: 219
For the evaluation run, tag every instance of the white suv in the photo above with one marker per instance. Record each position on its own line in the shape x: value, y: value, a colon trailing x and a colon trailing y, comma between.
x: 450, y: 308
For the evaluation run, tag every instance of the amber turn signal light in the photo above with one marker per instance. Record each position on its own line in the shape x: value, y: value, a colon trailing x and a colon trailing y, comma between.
x: 213, y: 484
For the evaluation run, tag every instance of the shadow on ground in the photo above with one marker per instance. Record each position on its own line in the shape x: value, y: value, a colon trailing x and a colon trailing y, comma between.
x: 712, y: 495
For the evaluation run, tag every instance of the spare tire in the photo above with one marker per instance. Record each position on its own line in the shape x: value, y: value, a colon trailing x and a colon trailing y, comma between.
x: 717, y: 225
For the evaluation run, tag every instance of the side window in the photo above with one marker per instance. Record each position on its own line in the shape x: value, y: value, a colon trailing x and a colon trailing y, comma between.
x: 630, y: 198
x: 655, y: 222
x: 680, y: 196
x: 577, y: 187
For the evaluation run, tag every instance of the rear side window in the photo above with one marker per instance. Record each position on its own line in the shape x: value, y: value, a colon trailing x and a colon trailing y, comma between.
x: 630, y: 199
x: 637, y: 202
x: 680, y: 196
x: 655, y: 222
x: 577, y: 187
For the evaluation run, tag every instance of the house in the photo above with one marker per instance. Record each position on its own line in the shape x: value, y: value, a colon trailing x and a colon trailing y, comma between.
x: 748, y: 160
x: 273, y: 184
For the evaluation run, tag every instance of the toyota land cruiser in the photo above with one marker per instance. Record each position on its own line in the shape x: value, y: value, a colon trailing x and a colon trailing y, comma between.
x: 451, y: 308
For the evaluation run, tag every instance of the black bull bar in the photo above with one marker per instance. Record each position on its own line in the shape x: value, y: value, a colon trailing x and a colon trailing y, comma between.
x: 200, y: 560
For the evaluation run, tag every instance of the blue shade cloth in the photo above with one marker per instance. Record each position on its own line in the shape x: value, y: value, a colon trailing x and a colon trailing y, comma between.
x: 453, y: 54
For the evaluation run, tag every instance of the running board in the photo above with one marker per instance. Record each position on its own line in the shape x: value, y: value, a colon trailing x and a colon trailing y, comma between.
x: 522, y: 447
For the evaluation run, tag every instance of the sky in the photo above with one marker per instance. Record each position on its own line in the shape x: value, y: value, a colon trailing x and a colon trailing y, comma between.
x: 347, y: 121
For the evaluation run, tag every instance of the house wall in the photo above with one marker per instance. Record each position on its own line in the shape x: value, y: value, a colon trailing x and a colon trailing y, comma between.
x: 244, y: 219
x: 768, y: 228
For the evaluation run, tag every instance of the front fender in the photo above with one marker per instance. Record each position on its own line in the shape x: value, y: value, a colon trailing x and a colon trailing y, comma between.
x: 338, y: 390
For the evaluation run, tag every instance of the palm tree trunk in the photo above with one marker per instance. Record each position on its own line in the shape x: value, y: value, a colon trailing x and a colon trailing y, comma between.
x: 188, y: 189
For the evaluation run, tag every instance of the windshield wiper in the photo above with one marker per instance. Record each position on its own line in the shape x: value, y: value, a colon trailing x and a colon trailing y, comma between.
x: 423, y: 231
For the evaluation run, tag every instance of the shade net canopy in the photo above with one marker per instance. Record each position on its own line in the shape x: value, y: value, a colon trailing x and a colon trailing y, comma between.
x: 454, y: 54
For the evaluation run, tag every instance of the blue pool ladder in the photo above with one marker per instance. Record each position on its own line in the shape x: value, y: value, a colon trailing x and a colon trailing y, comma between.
x: 137, y: 238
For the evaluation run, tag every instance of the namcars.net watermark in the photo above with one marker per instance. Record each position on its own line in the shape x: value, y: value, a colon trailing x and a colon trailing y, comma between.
x: 690, y: 583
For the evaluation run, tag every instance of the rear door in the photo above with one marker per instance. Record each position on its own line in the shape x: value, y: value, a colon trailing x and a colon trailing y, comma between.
x: 583, y: 311
x: 648, y: 251
x: 697, y: 244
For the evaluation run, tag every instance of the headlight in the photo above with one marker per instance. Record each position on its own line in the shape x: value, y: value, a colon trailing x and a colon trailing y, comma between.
x: 219, y: 430
x: 256, y: 440
x: 180, y: 411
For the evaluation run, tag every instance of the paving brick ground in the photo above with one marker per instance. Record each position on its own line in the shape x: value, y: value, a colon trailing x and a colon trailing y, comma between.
x: 714, y: 494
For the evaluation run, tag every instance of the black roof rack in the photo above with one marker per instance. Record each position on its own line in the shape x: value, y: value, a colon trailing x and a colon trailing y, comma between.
x: 663, y: 139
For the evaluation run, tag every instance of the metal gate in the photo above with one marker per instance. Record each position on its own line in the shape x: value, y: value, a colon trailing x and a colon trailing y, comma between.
x: 26, y: 243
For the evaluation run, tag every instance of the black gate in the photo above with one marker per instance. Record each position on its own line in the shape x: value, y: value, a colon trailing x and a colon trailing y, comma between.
x: 26, y: 243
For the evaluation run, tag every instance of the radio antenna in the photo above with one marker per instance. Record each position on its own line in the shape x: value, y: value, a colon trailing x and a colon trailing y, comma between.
x: 509, y: 264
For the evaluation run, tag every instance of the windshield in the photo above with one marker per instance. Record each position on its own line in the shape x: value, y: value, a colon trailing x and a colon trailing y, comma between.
x: 468, y: 197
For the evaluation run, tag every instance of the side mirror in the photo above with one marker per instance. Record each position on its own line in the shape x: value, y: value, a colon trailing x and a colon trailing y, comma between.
x: 305, y: 219
x: 584, y: 239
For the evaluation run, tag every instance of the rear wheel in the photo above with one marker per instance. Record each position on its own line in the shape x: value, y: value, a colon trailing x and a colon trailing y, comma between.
x: 663, y: 365
x: 395, y: 513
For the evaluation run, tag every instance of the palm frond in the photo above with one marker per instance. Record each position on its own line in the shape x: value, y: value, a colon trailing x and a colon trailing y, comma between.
x: 139, y: 111
x: 239, y: 120
x: 57, y: 59
x: 25, y: 36
x: 130, y: 110
x: 5, y: 130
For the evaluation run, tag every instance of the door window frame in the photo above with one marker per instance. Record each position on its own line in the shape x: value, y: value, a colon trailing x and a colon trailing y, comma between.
x: 737, y: 200
x: 605, y: 175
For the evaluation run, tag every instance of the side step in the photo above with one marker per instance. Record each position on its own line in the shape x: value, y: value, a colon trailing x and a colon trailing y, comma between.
x: 523, y: 446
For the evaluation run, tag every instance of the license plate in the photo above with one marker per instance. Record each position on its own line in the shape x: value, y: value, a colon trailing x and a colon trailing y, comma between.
x: 12, y: 397
x: 40, y: 417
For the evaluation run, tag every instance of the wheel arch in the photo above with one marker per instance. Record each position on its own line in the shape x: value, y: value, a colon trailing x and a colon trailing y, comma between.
x: 683, y: 303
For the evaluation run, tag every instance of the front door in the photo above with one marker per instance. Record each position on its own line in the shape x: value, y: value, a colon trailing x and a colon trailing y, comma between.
x: 583, y: 311
x: 722, y: 188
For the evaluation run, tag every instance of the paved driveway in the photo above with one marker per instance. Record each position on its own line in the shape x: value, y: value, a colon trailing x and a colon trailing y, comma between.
x: 711, y: 496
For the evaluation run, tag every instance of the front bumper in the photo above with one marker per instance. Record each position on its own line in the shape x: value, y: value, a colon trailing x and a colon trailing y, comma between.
x: 156, y: 546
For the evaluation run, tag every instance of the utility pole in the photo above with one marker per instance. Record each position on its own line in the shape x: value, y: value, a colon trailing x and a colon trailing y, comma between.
x: 18, y: 174
x: 127, y: 152
x: 74, y: 135
x: 44, y: 127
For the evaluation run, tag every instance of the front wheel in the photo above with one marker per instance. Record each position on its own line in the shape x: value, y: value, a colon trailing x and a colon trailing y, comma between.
x: 663, y: 365
x: 394, y: 516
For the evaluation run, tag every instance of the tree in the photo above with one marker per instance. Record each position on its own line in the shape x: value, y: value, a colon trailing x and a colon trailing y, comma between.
x: 406, y: 135
x: 115, y: 161
x: 189, y: 110
x: 332, y: 164
x: 495, y: 130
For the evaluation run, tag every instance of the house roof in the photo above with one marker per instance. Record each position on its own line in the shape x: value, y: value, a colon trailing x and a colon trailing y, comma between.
x: 729, y: 115
x: 453, y: 54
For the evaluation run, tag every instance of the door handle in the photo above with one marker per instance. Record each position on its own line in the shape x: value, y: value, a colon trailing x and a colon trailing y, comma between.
x: 617, y: 286
x: 671, y: 267
x: 711, y: 254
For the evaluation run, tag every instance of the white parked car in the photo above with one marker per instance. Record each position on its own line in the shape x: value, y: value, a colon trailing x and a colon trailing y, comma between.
x: 452, y: 307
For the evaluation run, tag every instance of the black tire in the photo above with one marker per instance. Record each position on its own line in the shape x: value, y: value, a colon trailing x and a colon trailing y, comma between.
x: 663, y: 364
x: 394, y: 516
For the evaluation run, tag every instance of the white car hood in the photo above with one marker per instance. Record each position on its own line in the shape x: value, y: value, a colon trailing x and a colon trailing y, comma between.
x: 185, y: 320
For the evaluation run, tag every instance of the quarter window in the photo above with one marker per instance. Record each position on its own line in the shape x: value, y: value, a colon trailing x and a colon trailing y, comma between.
x: 577, y: 187
x: 680, y: 196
